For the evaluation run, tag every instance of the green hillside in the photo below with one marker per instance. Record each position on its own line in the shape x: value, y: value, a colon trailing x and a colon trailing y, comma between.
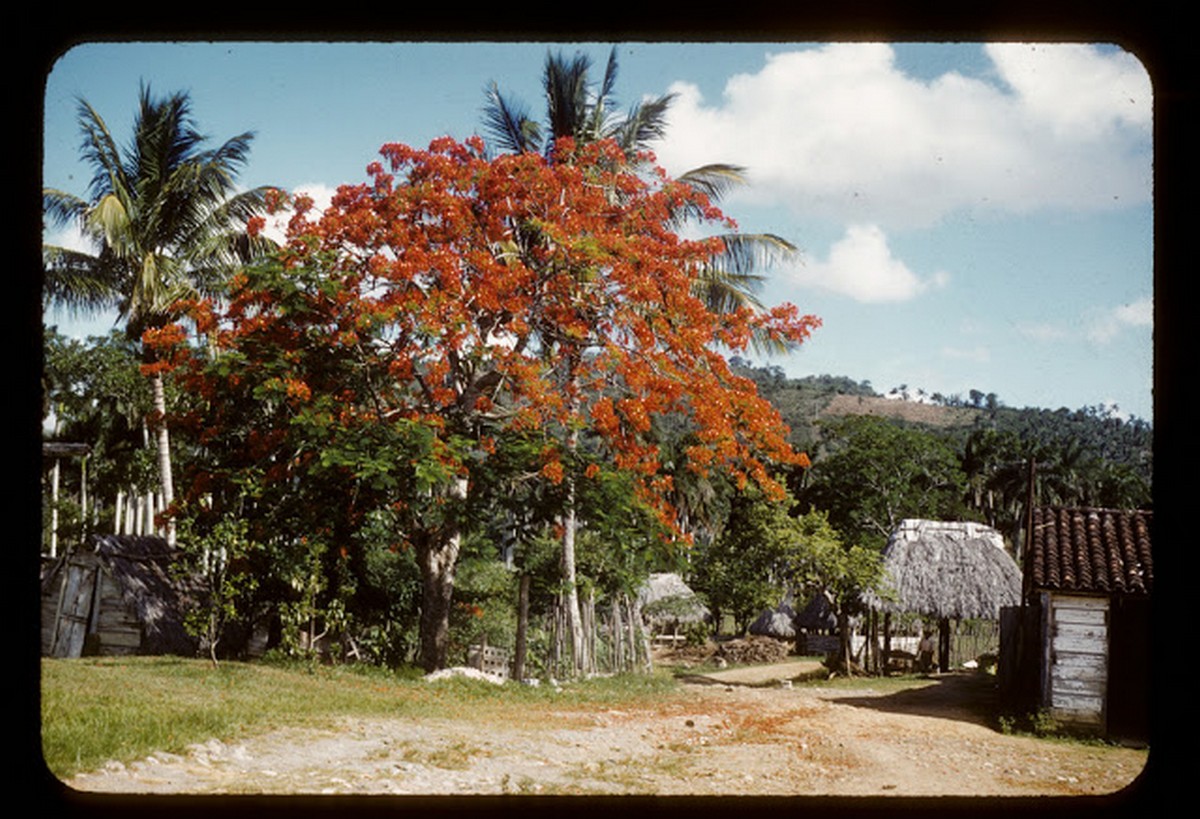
x: 1085, y: 434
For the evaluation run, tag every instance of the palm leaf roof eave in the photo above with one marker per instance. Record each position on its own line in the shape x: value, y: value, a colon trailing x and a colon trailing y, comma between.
x: 948, y: 569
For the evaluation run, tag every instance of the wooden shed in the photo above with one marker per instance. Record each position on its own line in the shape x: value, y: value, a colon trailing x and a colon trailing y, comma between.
x: 116, y: 595
x: 1083, y: 634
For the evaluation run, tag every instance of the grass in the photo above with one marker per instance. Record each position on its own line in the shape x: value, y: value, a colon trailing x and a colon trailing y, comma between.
x: 887, y: 685
x: 100, y: 709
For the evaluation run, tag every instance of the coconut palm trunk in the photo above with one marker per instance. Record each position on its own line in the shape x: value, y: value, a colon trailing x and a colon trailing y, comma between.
x: 163, y: 441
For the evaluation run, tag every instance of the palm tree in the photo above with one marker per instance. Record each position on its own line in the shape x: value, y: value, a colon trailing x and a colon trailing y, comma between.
x: 574, y: 108
x: 165, y: 222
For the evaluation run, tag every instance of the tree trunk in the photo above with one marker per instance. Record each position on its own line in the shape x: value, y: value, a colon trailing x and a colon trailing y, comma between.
x: 570, y: 524
x: 843, y: 621
x: 522, y: 628
x: 574, y: 617
x: 437, y: 556
x: 164, y: 452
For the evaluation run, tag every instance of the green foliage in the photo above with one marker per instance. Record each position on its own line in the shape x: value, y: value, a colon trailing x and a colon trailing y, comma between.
x: 221, y: 558
x: 747, y: 568
x: 828, y: 566
x: 873, y: 473
x: 94, y: 394
x: 484, y: 592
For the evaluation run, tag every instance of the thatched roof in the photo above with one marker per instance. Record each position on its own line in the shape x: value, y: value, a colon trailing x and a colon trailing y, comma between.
x: 817, y: 615
x: 948, y: 569
x: 664, y: 597
x: 1105, y: 551
x: 778, y: 622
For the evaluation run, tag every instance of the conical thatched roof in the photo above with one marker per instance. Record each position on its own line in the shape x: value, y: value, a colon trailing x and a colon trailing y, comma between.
x: 779, y: 623
x: 664, y: 597
x: 817, y: 615
x: 946, y: 569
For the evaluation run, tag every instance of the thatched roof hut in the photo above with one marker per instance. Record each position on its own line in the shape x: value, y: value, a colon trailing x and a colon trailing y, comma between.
x: 948, y: 570
x: 117, y: 595
x: 779, y: 622
x: 817, y: 615
x: 665, y: 600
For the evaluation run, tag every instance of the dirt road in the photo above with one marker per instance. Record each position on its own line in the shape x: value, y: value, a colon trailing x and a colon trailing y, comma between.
x: 716, y: 739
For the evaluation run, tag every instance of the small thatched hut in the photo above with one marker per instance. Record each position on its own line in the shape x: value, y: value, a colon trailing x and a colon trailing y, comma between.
x: 117, y: 595
x: 817, y: 616
x: 667, y: 602
x: 948, y: 571
x: 779, y: 622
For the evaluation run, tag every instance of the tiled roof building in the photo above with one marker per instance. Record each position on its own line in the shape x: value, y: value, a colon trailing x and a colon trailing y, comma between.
x: 1086, y: 550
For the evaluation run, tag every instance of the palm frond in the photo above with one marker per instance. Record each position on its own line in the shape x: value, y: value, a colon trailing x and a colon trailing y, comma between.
x: 645, y: 123
x: 715, y: 179
x: 744, y: 252
x: 62, y: 208
x: 724, y: 291
x: 565, y: 84
x: 75, y: 281
x: 509, y: 124
x: 100, y: 151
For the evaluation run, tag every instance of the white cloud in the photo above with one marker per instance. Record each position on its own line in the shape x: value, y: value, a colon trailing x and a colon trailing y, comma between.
x: 861, y: 266
x: 1043, y: 332
x: 840, y: 132
x: 321, y: 195
x: 977, y: 355
x: 1104, y: 326
x: 1077, y: 91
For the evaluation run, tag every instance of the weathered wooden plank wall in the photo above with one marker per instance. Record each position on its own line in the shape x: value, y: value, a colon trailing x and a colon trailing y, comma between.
x: 1078, y: 659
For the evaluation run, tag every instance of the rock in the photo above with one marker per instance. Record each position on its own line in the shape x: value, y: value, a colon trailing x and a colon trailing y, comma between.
x: 463, y: 671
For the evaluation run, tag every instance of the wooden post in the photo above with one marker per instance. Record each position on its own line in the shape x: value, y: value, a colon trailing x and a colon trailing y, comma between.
x: 83, y: 497
x: 887, y: 641
x: 522, y: 628
x: 54, y: 509
x: 944, y: 645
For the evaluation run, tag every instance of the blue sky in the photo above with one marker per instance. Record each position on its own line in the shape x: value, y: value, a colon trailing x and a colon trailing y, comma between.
x: 970, y: 216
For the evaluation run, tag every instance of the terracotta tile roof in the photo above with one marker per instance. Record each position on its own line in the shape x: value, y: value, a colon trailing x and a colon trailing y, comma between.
x: 1103, y: 551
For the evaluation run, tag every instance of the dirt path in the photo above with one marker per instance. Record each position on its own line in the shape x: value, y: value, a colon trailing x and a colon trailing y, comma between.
x: 717, y: 739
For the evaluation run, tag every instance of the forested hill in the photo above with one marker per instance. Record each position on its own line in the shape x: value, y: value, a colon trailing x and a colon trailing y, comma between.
x: 803, y: 402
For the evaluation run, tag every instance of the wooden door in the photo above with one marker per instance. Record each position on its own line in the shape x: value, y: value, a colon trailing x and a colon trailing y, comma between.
x: 1078, y: 660
x: 74, y: 612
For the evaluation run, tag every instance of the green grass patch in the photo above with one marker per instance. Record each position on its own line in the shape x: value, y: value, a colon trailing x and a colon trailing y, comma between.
x: 100, y: 709
x: 886, y: 685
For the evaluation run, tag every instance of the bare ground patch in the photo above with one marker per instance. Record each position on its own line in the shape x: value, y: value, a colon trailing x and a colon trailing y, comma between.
x: 712, y: 740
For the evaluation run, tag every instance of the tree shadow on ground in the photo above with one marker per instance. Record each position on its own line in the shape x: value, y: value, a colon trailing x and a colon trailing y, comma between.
x: 964, y: 696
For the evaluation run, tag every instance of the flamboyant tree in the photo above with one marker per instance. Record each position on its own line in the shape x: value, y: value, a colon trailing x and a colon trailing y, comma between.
x: 456, y: 298
x: 585, y: 113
